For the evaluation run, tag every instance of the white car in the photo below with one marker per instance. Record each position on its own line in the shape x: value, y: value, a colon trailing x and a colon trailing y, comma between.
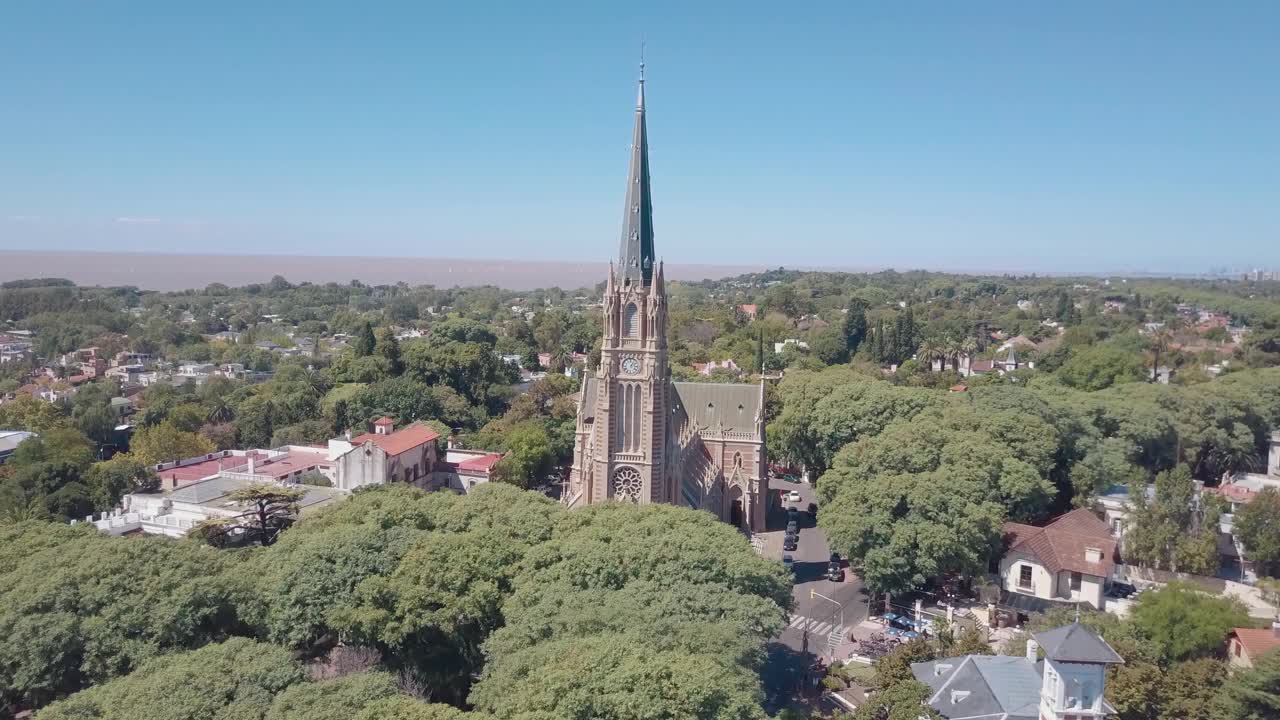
x: 793, y: 496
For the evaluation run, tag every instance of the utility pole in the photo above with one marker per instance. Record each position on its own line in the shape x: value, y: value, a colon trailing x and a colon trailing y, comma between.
x: 815, y: 594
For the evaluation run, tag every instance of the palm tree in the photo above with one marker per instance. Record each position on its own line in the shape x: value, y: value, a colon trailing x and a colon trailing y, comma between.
x: 220, y: 410
x: 951, y: 348
x: 1160, y: 342
x: 929, y: 352
x: 968, y: 347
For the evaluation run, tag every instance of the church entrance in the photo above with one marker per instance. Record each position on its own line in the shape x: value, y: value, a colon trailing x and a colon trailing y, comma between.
x: 737, y: 513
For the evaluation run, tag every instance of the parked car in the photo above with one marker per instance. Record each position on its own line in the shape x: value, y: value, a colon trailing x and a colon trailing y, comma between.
x: 793, y: 496
x: 1121, y: 590
x: 812, y: 510
x: 793, y: 528
x: 788, y: 562
x: 790, y: 542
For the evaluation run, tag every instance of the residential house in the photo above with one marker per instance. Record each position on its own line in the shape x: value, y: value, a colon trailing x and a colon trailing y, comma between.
x: 1070, y: 559
x: 778, y: 347
x: 1246, y: 645
x: 385, y: 455
x: 9, y: 441
x: 15, y: 349
x: 1067, y: 684
x: 707, y: 368
x: 749, y: 311
x: 176, y: 512
x: 462, y: 470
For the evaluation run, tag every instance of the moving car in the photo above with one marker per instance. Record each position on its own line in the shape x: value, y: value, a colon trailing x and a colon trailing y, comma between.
x: 793, y: 528
x: 790, y: 542
x: 793, y: 496
x: 788, y: 562
x: 835, y: 569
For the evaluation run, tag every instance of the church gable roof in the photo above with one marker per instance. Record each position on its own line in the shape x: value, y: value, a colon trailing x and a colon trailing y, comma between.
x: 731, y: 405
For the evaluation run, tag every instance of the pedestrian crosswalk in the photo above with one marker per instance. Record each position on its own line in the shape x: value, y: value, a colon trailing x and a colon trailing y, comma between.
x: 817, y: 628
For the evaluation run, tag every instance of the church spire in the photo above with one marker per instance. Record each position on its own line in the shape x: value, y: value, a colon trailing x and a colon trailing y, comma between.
x: 635, y: 254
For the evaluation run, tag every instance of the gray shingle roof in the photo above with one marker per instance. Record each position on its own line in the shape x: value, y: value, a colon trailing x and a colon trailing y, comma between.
x: 982, y: 686
x: 1076, y: 643
x: 711, y: 404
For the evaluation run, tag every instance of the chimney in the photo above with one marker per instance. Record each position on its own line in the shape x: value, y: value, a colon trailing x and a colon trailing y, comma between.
x: 251, y: 463
x: 958, y: 695
x: 1033, y: 650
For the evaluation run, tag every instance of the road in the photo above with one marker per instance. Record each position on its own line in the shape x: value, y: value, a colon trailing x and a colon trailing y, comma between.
x: 821, y: 606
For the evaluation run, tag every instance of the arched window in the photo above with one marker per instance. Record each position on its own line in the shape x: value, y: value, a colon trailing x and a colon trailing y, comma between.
x: 631, y: 321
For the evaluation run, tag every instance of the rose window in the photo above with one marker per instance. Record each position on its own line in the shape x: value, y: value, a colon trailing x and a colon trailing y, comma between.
x: 627, y: 484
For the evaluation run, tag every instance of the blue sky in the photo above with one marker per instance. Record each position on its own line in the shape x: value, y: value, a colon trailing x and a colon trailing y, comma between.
x: 1005, y: 136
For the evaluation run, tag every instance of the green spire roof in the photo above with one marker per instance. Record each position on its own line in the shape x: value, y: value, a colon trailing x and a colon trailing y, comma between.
x: 635, y: 254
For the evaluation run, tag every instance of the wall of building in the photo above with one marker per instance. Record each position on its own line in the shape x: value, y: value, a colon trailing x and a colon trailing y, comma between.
x: 360, y: 466
x: 1071, y: 686
x: 1041, y: 580
x: 1091, y: 589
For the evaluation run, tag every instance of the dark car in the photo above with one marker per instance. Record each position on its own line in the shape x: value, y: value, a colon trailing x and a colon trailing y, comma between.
x: 812, y: 510
x: 790, y: 542
x: 835, y: 569
x: 1121, y: 590
x: 792, y: 527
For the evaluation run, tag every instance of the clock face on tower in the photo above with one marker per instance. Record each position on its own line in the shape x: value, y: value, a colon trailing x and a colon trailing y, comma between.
x: 631, y: 364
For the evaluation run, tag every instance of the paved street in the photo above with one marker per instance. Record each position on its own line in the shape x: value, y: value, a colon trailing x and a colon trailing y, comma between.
x: 845, y: 605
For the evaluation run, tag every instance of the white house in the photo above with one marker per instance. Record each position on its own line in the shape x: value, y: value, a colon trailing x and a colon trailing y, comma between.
x: 1070, y: 559
x: 1068, y: 684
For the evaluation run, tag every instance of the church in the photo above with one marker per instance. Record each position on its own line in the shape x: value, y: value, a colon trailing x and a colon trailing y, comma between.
x: 641, y: 437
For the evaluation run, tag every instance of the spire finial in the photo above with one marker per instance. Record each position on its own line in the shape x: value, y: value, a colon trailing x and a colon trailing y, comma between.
x: 642, y: 60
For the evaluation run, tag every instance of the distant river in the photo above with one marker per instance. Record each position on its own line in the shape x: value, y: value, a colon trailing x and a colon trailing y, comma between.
x: 153, y: 271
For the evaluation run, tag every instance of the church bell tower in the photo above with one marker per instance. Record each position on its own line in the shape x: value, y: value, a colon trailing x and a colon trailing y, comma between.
x: 632, y: 401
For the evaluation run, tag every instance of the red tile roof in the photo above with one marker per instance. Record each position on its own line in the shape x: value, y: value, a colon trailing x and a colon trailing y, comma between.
x: 484, y: 463
x: 1257, y: 641
x: 384, y: 420
x: 400, y: 441
x: 1063, y: 543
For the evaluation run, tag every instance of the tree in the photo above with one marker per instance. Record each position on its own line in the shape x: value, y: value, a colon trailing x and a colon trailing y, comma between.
x: 389, y: 347
x: 272, y: 508
x: 1251, y: 694
x: 1134, y: 690
x: 336, y: 699
x: 1183, y: 623
x: 528, y: 458
x: 906, y: 700
x: 112, y: 479
x: 1257, y: 525
x: 854, y: 328
x: 164, y: 443
x: 1190, y: 688
x: 365, y: 342
x: 68, y: 596
x: 237, y: 678
x: 1159, y: 345
x: 1096, y: 367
